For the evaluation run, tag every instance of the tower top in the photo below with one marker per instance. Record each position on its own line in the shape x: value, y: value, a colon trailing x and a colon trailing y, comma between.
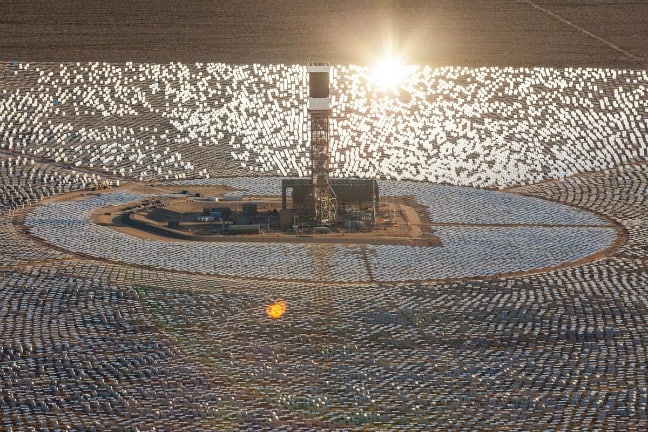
x: 318, y: 86
x: 318, y: 67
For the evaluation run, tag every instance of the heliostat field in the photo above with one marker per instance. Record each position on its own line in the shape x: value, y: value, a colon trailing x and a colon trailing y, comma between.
x: 529, y: 315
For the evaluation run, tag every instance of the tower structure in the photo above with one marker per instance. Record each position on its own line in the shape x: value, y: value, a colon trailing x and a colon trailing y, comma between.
x: 324, y: 201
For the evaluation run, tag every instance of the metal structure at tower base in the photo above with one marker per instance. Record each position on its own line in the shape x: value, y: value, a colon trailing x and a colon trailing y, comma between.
x: 324, y: 199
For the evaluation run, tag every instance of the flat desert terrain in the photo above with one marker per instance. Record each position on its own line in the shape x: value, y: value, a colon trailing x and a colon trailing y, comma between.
x: 438, y: 33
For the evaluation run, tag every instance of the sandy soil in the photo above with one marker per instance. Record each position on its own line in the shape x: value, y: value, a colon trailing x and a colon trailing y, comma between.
x: 441, y: 32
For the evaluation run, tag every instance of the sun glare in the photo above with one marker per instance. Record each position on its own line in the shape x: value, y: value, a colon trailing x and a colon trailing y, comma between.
x: 389, y: 73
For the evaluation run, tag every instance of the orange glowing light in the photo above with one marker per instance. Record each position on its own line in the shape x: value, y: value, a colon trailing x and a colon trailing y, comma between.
x: 275, y: 310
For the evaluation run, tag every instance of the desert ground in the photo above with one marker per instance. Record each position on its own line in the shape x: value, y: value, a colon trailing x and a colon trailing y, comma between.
x: 438, y: 33
x: 520, y: 140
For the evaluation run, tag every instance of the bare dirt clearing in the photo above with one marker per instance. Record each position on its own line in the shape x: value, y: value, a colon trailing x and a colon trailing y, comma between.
x: 464, y: 32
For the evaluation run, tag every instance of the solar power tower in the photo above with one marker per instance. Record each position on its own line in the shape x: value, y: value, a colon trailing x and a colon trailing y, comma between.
x: 324, y: 201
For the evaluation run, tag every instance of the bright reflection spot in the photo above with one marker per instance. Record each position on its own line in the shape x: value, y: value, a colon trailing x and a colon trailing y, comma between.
x: 276, y: 309
x: 389, y: 73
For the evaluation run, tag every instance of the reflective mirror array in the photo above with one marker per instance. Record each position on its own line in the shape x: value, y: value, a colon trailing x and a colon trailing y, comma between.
x: 486, y: 127
x: 535, y: 234
x: 99, y: 331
